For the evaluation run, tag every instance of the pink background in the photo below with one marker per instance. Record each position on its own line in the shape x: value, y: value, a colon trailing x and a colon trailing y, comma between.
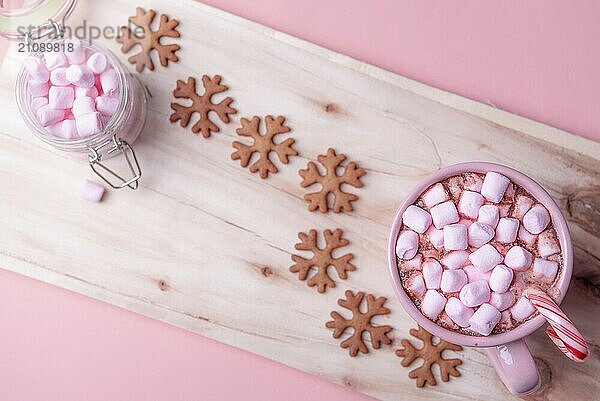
x: 534, y: 58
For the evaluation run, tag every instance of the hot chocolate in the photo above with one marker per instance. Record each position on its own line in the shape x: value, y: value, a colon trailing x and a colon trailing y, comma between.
x: 468, y: 248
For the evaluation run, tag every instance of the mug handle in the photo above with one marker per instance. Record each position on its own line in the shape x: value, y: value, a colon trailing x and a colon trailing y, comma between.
x: 515, y: 366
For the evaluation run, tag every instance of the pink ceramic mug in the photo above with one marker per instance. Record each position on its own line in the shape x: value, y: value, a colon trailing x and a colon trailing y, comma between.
x: 507, y: 352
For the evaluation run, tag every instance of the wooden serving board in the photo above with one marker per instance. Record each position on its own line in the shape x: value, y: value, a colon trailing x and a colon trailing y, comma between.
x: 205, y: 245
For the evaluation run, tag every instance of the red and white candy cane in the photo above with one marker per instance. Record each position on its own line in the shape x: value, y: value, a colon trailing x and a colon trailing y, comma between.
x: 561, y: 331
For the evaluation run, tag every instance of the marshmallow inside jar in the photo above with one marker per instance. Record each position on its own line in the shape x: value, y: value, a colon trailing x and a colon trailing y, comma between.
x: 80, y: 98
x: 496, y: 266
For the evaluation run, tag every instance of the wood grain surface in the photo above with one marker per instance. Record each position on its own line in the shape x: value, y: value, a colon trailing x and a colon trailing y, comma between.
x: 205, y: 245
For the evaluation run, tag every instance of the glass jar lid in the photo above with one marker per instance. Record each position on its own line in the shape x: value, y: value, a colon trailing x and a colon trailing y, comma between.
x: 17, y: 18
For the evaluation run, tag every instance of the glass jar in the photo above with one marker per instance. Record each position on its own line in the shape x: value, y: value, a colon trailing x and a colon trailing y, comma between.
x: 119, y: 132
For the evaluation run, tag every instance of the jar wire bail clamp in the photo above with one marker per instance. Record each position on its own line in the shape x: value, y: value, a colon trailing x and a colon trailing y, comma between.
x: 115, y: 144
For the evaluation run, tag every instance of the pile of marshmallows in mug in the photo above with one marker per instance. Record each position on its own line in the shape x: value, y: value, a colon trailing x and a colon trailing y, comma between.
x: 476, y: 281
x: 74, y: 93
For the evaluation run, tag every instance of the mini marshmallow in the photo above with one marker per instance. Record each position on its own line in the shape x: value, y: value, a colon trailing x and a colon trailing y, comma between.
x: 507, y: 229
x: 108, y: 105
x: 444, y: 214
x: 469, y: 204
x: 484, y: 319
x: 77, y: 53
x: 90, y: 124
x: 413, y: 217
x: 500, y: 278
x: 86, y: 92
x: 433, y: 304
x: 473, y: 182
x: 494, y: 186
x: 434, y: 195
x: 432, y: 273
x: 61, y: 97
x: 489, y: 214
x: 92, y: 191
x: 453, y: 280
x: 54, y: 59
x: 436, y: 237
x: 58, y: 77
x: 49, y: 116
x: 475, y: 293
x: 83, y: 105
x: 36, y: 69
x: 480, y: 234
x: 518, y: 258
x: 80, y: 76
x: 456, y: 259
x: 97, y: 63
x: 548, y: 243
x: 109, y: 81
x: 485, y: 258
x: 416, y: 285
x: 536, y: 219
x: 38, y: 89
x: 38, y: 102
x: 68, y: 129
x: 455, y: 237
x: 458, y: 312
x: 473, y: 274
x: 544, y: 270
x: 526, y: 236
x: 55, y: 129
x: 522, y: 205
x: 502, y: 300
x: 522, y: 309
x: 412, y: 264
x: 407, y: 244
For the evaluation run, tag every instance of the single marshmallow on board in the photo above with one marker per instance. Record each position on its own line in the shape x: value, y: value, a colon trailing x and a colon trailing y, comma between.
x: 444, y: 214
x: 55, y: 59
x: 469, y: 204
x: 475, y: 293
x: 432, y: 273
x: 80, y: 76
x: 90, y: 124
x: 109, y: 81
x: 458, y: 312
x: 412, y: 264
x: 522, y: 309
x: 485, y: 258
x: 484, y: 319
x: 494, y: 186
x: 518, y: 258
x: 501, y: 278
x: 108, y: 105
x: 413, y: 217
x: 92, y: 191
x: 548, y: 243
x: 48, y: 116
x: 416, y: 285
x: 455, y: 259
x: 453, y: 280
x: 455, y: 237
x: 433, y: 304
x: 75, y: 54
x: 36, y: 69
x: 434, y: 195
x: 544, y: 270
x: 436, y: 237
x: 83, y: 105
x: 407, y: 244
x: 507, y: 229
x: 38, y: 89
x: 97, y: 63
x: 536, y: 219
x: 480, y: 234
x: 502, y: 300
x: 489, y: 214
x: 61, y: 97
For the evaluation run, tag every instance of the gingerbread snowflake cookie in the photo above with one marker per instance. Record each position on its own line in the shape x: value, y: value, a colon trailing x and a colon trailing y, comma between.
x: 331, y: 183
x: 322, y: 259
x: 360, y: 322
x: 149, y: 40
x: 430, y: 353
x: 202, y: 104
x: 263, y: 145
